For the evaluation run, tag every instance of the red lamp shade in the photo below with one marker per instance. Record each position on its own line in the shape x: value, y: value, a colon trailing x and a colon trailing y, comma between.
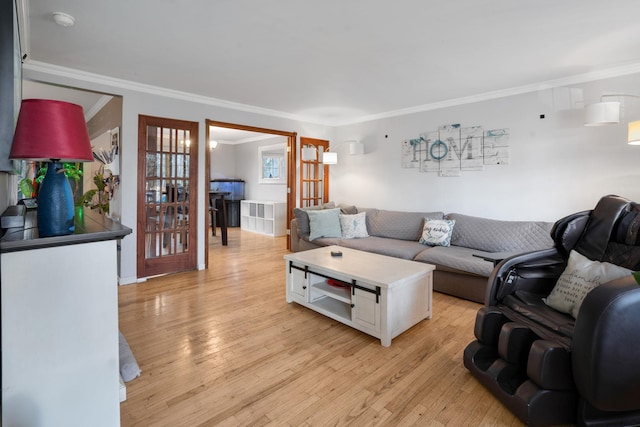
x: 49, y: 129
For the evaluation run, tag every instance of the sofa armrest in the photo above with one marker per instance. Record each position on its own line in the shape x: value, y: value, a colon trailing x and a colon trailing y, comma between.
x: 294, y: 236
x: 606, y: 346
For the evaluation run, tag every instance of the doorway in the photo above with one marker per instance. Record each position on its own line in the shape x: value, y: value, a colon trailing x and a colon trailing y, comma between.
x: 167, y: 185
x: 289, y: 173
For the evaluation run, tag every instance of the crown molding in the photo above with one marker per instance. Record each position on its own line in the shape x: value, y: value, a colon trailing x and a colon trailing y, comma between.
x: 104, y: 100
x: 56, y: 70
x: 621, y: 70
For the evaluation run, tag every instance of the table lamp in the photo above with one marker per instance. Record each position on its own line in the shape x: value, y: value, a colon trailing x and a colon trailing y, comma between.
x: 55, y: 132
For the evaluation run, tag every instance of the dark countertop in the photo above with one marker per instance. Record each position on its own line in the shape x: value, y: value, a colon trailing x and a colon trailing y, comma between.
x: 90, y: 227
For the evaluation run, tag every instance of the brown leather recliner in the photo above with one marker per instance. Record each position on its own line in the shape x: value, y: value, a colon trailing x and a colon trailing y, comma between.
x: 545, y: 366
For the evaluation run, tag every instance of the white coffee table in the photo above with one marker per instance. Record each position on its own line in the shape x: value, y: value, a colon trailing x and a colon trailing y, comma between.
x: 379, y: 295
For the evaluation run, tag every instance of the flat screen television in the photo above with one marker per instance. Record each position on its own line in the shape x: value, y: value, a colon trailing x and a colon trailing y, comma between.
x: 10, y: 80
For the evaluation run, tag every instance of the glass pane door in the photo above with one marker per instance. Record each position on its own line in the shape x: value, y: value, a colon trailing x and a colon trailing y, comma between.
x: 167, y: 196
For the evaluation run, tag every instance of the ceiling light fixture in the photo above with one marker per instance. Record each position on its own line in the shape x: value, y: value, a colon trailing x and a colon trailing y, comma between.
x: 213, y: 144
x: 63, y: 19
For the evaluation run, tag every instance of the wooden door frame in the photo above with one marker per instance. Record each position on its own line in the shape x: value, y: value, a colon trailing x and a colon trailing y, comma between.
x: 291, y: 171
x: 325, y: 168
x: 143, y: 122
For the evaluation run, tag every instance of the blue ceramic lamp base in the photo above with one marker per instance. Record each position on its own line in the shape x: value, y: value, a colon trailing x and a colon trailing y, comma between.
x: 55, y: 203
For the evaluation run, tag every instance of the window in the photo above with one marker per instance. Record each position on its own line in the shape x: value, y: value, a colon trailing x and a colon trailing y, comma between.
x: 272, y: 164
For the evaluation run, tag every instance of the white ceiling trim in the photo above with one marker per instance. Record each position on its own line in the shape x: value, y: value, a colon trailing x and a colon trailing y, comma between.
x: 104, y: 100
x: 84, y: 76
x: 622, y: 70
x: 43, y: 67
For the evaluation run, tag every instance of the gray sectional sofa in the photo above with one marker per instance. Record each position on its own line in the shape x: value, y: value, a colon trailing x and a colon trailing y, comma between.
x: 462, y: 269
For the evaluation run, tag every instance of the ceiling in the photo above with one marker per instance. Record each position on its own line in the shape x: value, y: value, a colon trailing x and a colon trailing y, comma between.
x: 337, y: 61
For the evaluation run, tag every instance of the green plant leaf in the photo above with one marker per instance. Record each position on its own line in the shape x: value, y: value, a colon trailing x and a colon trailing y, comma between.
x: 26, y: 187
x: 636, y: 275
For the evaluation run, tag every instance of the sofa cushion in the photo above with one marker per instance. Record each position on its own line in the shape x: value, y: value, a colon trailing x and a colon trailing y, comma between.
x: 391, y: 247
x: 397, y: 224
x: 493, y: 235
x: 457, y: 257
x: 354, y: 226
x: 303, y: 218
x: 579, y: 278
x: 324, y: 223
x: 437, y: 232
x: 348, y: 209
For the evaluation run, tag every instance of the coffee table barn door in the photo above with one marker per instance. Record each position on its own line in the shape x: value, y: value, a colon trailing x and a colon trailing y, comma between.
x: 167, y: 195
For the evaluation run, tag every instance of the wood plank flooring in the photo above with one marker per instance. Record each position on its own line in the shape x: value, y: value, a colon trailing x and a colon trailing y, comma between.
x: 222, y: 347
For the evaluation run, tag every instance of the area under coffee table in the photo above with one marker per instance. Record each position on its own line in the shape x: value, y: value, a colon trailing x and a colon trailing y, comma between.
x: 379, y: 295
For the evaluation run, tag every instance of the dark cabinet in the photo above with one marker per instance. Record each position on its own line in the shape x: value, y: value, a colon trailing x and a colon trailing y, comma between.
x: 236, y: 189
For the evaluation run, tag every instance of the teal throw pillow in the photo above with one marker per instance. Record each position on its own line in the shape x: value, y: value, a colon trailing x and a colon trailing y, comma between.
x: 437, y: 232
x: 324, y: 223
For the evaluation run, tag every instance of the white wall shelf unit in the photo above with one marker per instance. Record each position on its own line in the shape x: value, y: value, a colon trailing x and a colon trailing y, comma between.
x: 264, y: 217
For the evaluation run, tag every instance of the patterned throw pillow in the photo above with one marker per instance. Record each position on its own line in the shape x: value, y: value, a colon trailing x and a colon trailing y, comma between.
x: 579, y: 278
x: 437, y: 232
x: 354, y: 226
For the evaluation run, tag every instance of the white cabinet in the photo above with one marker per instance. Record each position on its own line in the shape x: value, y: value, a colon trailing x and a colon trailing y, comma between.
x: 264, y: 217
x: 60, y: 360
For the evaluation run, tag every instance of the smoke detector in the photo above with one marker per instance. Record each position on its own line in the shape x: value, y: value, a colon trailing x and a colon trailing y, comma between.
x: 63, y: 19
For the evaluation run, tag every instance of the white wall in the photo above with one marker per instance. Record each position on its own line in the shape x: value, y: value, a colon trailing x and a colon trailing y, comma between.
x: 247, y: 162
x: 223, y: 162
x: 149, y: 101
x: 557, y: 166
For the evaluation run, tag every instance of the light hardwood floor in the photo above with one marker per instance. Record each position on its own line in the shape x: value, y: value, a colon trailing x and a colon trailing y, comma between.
x: 222, y: 347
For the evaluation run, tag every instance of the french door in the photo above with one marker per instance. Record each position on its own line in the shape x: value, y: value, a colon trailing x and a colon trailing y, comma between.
x: 314, y: 175
x: 167, y: 195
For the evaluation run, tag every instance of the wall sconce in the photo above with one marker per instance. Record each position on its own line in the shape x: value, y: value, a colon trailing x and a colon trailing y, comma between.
x: 634, y: 133
x: 605, y: 112
x: 356, y: 147
x: 213, y: 144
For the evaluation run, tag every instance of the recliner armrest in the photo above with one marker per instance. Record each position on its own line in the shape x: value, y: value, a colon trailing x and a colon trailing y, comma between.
x: 606, y: 346
x: 530, y: 268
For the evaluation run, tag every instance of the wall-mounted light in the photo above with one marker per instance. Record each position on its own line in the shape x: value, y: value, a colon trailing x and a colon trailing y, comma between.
x: 634, y: 133
x: 213, y: 144
x: 605, y: 112
x: 356, y: 147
